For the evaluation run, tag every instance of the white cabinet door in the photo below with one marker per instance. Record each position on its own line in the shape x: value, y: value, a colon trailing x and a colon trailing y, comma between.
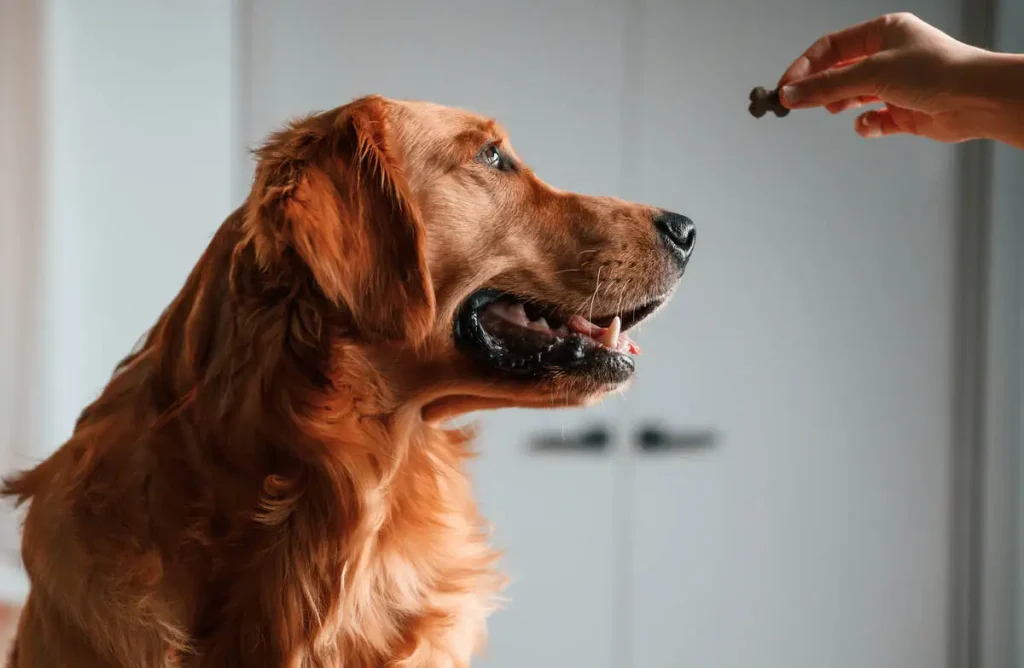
x: 813, y: 333
x: 551, y: 73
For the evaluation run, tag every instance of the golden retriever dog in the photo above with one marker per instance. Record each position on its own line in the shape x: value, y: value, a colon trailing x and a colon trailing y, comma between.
x: 268, y: 480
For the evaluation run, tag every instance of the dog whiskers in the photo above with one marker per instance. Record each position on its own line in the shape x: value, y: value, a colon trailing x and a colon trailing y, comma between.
x: 597, y: 288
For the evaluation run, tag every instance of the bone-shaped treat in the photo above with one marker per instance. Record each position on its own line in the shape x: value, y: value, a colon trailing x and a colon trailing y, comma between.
x: 763, y: 100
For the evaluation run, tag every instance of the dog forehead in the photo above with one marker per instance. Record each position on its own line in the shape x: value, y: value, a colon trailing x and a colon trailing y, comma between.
x: 435, y: 136
x: 448, y: 122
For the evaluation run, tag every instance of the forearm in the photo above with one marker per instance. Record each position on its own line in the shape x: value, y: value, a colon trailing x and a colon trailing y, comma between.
x: 995, y: 84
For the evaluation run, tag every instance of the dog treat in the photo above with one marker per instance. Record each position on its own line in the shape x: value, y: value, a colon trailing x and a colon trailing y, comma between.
x: 763, y: 100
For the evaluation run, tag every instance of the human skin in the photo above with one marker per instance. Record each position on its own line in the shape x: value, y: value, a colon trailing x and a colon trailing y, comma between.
x: 931, y: 85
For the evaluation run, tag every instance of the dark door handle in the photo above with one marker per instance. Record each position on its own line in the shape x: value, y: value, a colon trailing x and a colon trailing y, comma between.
x: 659, y: 439
x: 593, y: 439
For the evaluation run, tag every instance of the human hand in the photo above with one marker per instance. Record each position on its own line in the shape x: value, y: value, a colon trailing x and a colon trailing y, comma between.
x: 928, y: 81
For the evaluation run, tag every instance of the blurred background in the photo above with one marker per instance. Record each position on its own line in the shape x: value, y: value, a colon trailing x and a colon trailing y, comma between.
x: 818, y: 462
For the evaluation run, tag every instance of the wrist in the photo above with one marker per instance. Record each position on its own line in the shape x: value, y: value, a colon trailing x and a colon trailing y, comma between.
x: 992, y: 86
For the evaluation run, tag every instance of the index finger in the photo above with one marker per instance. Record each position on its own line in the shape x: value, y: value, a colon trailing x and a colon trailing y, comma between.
x: 852, y: 44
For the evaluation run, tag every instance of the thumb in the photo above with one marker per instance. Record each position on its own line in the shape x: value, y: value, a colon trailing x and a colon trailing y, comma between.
x: 831, y: 86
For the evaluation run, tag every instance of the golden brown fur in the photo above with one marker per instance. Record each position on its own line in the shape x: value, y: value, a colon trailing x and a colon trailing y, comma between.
x: 266, y: 481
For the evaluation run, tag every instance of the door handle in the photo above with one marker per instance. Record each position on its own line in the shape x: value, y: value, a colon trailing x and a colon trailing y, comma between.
x: 653, y: 438
x: 593, y: 439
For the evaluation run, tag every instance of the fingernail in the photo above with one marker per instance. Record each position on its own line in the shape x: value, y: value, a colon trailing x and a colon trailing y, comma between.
x: 872, y: 132
x: 790, y: 95
x: 869, y: 130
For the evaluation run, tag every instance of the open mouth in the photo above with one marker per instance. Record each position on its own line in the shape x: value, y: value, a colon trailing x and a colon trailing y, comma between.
x: 520, y: 337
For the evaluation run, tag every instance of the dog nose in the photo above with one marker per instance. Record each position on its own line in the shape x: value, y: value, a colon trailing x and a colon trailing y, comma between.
x: 678, y: 231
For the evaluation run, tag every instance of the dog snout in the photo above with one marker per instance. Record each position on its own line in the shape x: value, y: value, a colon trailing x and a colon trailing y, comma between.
x: 679, y: 234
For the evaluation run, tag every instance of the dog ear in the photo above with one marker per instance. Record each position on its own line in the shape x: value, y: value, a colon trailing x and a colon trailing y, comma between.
x: 330, y: 188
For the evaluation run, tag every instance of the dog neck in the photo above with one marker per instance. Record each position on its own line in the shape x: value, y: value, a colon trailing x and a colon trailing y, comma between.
x: 294, y: 448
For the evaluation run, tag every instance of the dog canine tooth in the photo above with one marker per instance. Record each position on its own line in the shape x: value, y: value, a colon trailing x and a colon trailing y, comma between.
x: 609, y: 338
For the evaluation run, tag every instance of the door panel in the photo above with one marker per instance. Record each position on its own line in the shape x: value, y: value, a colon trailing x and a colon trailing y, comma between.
x: 813, y: 335
x: 555, y: 84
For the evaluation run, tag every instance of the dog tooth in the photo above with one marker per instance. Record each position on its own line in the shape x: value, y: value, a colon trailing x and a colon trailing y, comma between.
x: 562, y: 331
x: 540, y: 324
x: 518, y: 314
x: 628, y: 345
x: 610, y: 337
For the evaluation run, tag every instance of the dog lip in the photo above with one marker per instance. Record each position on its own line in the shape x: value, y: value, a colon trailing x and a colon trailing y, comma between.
x: 482, y: 298
x: 486, y: 296
x: 633, y: 317
x: 569, y: 353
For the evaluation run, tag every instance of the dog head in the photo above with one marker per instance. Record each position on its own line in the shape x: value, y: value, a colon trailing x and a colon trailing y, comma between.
x: 469, y: 280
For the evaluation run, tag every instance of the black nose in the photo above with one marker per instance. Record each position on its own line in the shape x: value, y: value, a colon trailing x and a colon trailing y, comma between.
x: 678, y: 231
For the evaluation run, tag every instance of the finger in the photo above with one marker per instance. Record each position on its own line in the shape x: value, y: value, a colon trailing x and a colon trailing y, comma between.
x: 849, y: 45
x: 831, y: 86
x: 844, y: 63
x: 878, y: 123
x: 852, y: 103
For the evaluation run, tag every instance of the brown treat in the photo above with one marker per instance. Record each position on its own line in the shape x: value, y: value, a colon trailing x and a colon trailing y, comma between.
x: 758, y: 102
x: 763, y: 100
x: 775, y: 104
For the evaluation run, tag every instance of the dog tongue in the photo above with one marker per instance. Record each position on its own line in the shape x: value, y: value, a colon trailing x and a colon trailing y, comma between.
x: 609, y: 337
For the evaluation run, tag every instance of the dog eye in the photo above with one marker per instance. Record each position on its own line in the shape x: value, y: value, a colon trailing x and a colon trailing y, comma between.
x: 492, y: 157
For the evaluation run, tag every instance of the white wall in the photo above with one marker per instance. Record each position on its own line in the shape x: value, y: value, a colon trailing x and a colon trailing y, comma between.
x: 138, y: 177
x: 21, y: 105
x: 138, y: 149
